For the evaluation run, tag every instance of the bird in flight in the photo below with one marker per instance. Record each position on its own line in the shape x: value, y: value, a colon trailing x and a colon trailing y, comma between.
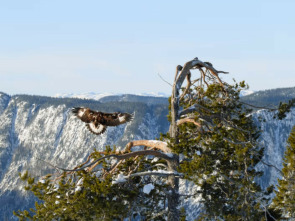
x: 97, y: 122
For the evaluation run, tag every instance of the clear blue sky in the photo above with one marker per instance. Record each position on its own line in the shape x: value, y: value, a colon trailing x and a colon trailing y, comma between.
x: 50, y: 47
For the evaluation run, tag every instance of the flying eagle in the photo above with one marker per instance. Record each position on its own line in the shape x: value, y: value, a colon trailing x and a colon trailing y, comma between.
x: 97, y: 122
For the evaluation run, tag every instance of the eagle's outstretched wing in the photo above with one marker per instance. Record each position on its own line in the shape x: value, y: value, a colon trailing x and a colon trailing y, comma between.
x: 115, y: 119
x: 84, y: 114
x: 97, y: 122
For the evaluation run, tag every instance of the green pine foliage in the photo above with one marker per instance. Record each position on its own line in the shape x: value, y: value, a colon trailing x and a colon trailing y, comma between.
x: 218, y: 149
x: 284, y: 200
x: 219, y: 156
x: 284, y: 108
x: 94, y: 199
x: 93, y: 195
x: 221, y: 153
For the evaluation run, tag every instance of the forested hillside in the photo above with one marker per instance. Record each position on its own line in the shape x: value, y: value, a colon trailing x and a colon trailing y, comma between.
x: 37, y: 127
x: 270, y: 98
x: 34, y: 127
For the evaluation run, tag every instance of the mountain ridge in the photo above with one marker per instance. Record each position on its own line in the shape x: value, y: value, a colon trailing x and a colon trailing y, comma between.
x: 34, y: 127
x: 270, y: 97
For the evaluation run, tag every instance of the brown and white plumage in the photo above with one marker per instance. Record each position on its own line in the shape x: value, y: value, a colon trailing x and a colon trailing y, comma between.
x: 97, y: 122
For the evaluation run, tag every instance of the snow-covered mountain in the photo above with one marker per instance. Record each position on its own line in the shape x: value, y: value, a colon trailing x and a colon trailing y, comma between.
x: 99, y: 96
x: 34, y: 127
x: 89, y: 95
x: 246, y: 92
x: 274, y: 136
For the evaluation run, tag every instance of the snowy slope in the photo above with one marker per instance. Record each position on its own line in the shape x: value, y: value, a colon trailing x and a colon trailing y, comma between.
x: 273, y: 139
x: 246, y: 92
x: 40, y: 127
x: 33, y: 127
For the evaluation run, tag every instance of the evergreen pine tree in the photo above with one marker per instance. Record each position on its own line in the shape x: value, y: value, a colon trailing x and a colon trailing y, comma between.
x: 284, y: 200
x: 212, y: 141
x: 94, y: 195
x: 219, y: 140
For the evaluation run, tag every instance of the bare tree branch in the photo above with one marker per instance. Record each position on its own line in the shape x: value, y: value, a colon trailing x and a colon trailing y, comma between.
x: 188, y: 120
x: 188, y: 78
x: 270, y: 165
x: 118, y: 157
x: 164, y: 80
x: 157, y: 144
x: 115, y: 166
x: 156, y: 173
x: 178, y: 69
x: 203, y: 76
x: 193, y: 108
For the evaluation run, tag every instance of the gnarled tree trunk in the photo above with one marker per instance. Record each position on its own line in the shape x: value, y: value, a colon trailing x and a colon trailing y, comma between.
x: 181, y: 74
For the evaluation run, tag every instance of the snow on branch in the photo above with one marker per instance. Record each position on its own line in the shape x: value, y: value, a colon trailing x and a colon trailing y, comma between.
x: 193, y: 108
x: 121, y: 178
x: 157, y: 173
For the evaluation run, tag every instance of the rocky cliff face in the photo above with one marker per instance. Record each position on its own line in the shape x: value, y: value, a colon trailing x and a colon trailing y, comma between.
x: 34, y: 128
x: 273, y: 138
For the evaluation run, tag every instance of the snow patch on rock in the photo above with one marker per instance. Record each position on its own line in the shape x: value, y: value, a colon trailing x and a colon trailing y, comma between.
x: 148, y: 188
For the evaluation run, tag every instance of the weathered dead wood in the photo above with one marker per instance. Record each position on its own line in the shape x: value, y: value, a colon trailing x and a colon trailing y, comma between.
x: 115, y: 166
x: 188, y: 120
x: 193, y: 108
x: 118, y: 157
x: 181, y: 74
x: 189, y: 84
x: 157, y: 144
x: 155, y: 173
x: 203, y: 76
x: 178, y: 69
